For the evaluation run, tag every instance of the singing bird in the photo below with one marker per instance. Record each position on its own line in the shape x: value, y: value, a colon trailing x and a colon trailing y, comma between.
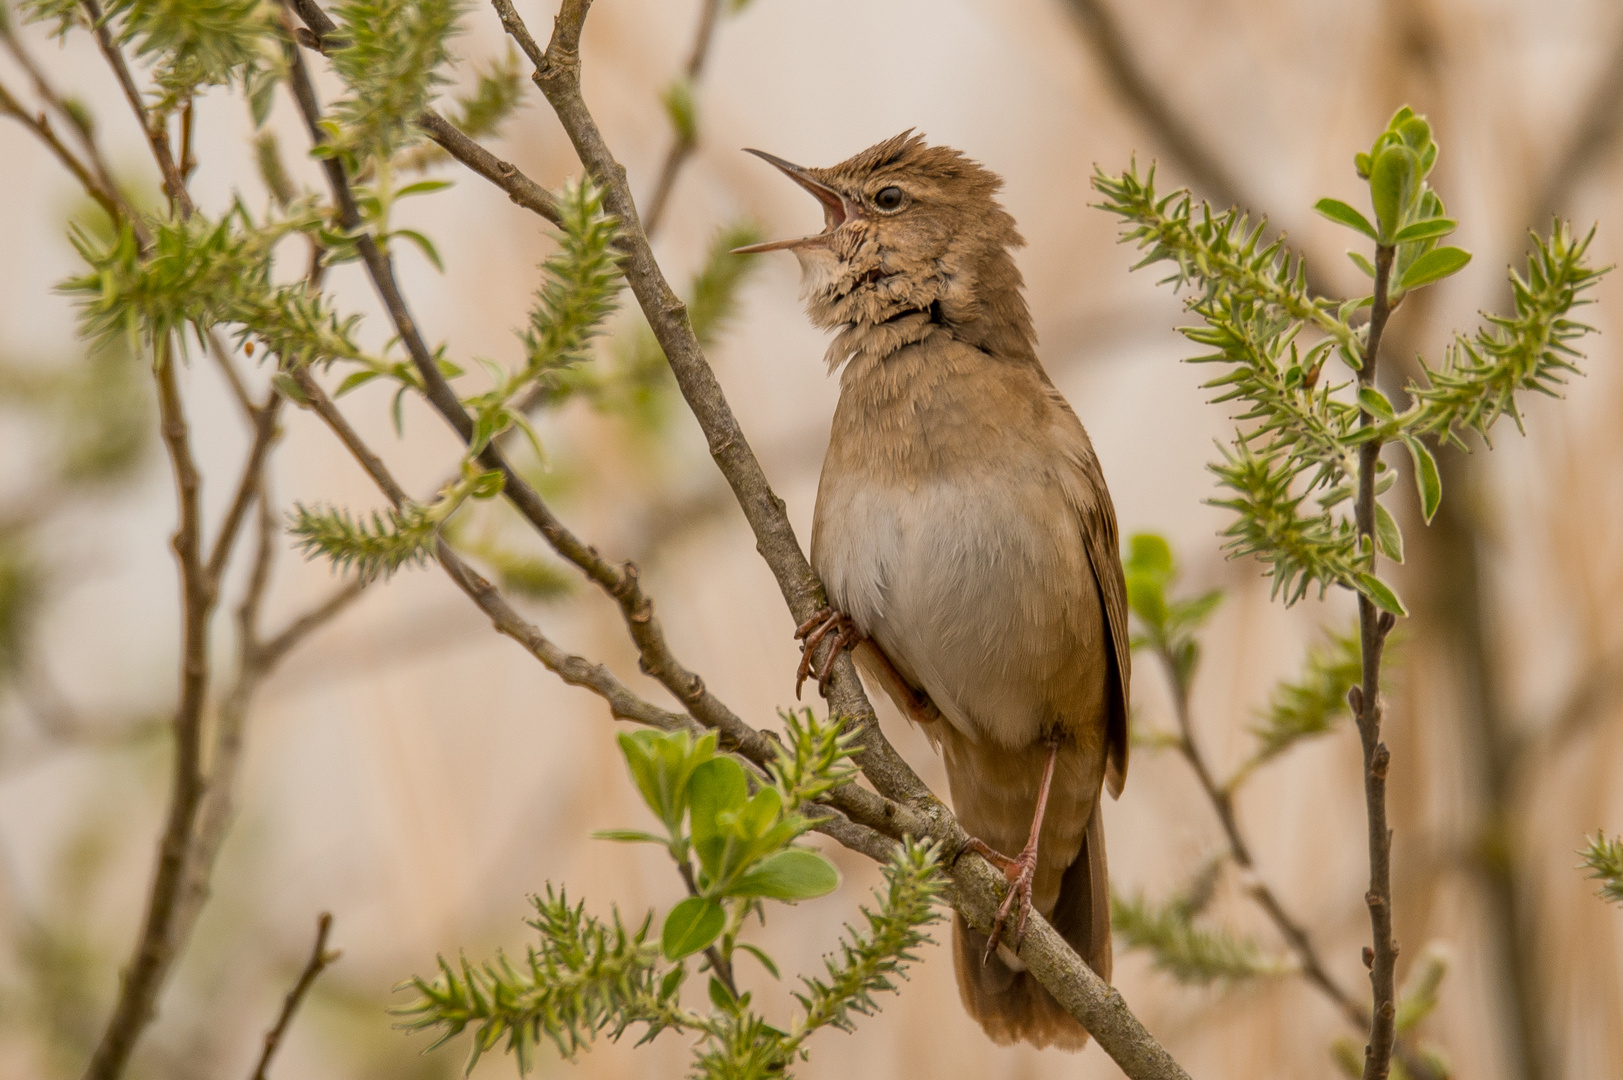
x: 969, y: 546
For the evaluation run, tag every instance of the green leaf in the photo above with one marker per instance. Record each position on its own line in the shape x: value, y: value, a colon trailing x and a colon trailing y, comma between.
x: 424, y: 243
x: 1387, y: 533
x: 1424, y: 230
x: 1434, y: 266
x: 628, y: 836
x: 1380, y: 594
x: 1147, y: 600
x: 1374, y: 402
x: 1149, y: 553
x: 354, y: 379
x: 721, y: 997
x: 1393, y: 181
x: 1362, y: 263
x: 1342, y: 214
x: 690, y: 927
x: 766, y: 961
x: 423, y: 187
x: 289, y: 387
x: 1428, y: 482
x: 488, y: 484
x: 796, y: 874
x: 717, y: 786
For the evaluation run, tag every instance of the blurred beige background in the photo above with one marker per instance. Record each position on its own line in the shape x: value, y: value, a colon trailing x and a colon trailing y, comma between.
x: 417, y: 775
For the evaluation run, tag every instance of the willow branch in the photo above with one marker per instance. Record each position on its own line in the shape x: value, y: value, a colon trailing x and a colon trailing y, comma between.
x: 156, y: 947
x: 1144, y: 100
x: 1221, y: 796
x: 622, y: 583
x: 1373, y: 626
x: 319, y: 960
x: 686, y: 140
x: 156, y: 132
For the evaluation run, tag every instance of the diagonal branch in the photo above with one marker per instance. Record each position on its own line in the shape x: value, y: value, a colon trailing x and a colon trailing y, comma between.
x: 157, y: 947
x: 319, y: 960
x: 686, y: 140
x: 1221, y: 796
x: 1103, y: 33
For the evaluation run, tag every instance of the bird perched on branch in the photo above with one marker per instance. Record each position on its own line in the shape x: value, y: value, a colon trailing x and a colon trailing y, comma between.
x: 969, y: 546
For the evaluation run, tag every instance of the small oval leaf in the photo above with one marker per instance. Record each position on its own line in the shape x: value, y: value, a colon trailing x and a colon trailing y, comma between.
x: 1393, y: 181
x: 1428, y: 482
x: 1434, y: 266
x: 796, y: 874
x: 1425, y: 230
x: 692, y: 925
x: 1380, y: 594
x: 1388, y: 534
x: 1342, y: 214
x: 1374, y: 402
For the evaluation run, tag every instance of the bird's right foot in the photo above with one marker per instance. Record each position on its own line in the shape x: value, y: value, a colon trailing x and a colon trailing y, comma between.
x: 811, y: 634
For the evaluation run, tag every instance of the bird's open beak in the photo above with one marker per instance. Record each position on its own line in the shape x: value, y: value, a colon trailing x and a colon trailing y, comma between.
x: 835, y: 209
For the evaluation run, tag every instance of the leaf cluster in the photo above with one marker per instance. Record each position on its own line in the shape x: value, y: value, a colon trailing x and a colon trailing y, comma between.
x: 392, y: 61
x: 1293, y: 467
x: 197, y: 43
x: 743, y: 843
x: 587, y: 977
x: 1187, y: 950
x: 385, y: 541
x: 1167, y: 626
x: 200, y: 274
x: 1314, y: 702
x: 1603, y: 859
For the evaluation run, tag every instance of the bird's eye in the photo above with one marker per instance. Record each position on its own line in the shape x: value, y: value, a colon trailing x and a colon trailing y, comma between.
x: 888, y: 198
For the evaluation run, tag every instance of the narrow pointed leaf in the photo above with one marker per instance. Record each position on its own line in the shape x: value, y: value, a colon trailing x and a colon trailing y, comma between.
x: 1434, y: 266
x: 1424, y: 230
x: 1342, y: 214
x: 1428, y: 482
x: 1380, y: 594
x: 691, y: 926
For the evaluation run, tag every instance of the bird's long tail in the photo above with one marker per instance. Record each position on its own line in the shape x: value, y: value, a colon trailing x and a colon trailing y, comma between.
x: 1006, y: 999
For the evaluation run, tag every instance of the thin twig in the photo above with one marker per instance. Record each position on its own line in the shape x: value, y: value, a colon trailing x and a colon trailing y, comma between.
x: 40, y: 125
x: 1222, y: 800
x: 57, y: 104
x: 685, y: 142
x: 319, y: 960
x: 622, y: 583
x: 156, y: 946
x: 266, y: 429
x: 157, y: 134
x: 1103, y: 33
x: 1221, y: 796
x: 1373, y: 626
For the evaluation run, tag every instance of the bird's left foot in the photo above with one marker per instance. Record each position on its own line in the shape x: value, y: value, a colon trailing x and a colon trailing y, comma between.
x: 811, y: 634
x: 1020, y: 872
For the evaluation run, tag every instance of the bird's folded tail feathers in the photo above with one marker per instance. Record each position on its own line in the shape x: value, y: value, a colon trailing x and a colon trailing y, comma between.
x: 1012, y: 1005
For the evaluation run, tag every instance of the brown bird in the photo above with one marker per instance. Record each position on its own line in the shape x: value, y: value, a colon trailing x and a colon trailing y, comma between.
x: 969, y: 546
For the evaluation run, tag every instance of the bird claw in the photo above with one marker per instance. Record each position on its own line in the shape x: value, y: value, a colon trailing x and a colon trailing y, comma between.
x: 811, y: 634
x: 1019, y: 872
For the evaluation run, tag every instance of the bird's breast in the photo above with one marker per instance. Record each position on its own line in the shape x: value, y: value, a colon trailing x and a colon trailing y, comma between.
x: 950, y: 537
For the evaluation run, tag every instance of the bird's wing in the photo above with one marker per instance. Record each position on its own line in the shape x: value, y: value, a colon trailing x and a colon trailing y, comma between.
x: 1103, y: 544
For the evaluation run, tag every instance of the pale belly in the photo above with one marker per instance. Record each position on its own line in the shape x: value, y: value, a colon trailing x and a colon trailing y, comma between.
x: 979, y: 591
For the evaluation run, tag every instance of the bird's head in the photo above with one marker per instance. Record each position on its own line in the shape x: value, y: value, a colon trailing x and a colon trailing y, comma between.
x: 906, y: 228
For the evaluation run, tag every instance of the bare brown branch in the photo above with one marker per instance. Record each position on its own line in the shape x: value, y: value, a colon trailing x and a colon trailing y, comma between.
x: 1189, y: 155
x: 1373, y: 626
x: 40, y: 125
x: 684, y: 144
x: 319, y: 960
x: 156, y: 946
